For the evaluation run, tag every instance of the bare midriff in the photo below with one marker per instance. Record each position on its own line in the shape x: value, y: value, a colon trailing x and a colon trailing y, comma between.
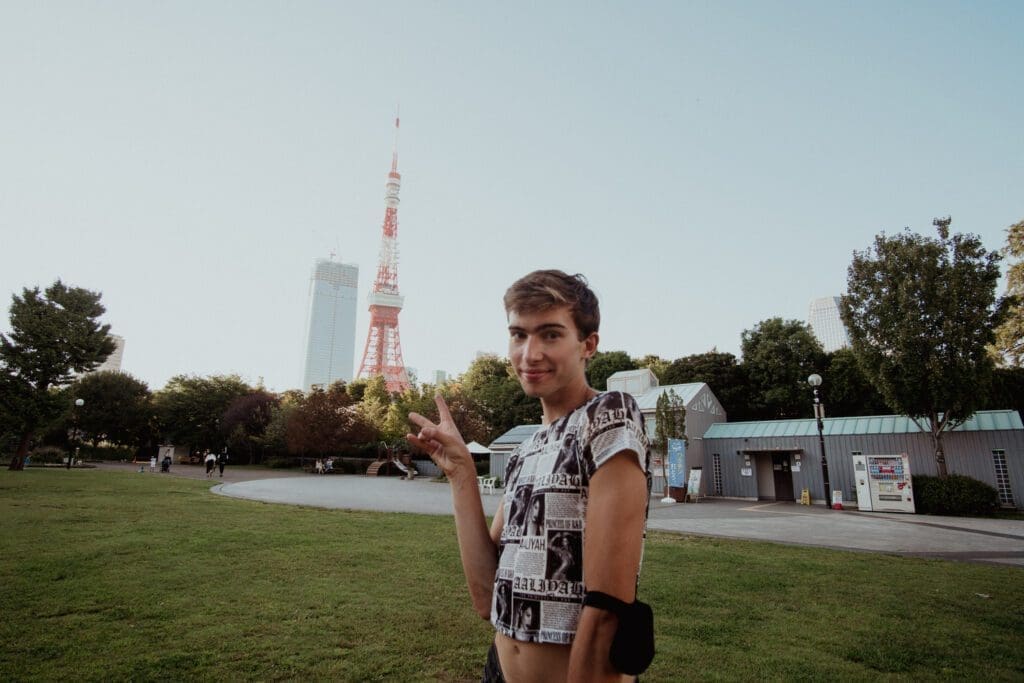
x: 528, y: 662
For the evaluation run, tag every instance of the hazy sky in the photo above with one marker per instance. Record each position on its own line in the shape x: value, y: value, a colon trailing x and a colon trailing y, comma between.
x: 706, y: 164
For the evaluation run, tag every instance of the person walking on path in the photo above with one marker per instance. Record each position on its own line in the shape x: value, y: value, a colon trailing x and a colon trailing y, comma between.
x: 549, y: 575
x: 210, y: 461
x: 222, y: 460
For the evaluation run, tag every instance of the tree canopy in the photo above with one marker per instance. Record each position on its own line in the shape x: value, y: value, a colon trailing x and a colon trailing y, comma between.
x: 1009, y: 341
x: 604, y: 364
x: 54, y: 334
x: 921, y: 312
x: 778, y: 355
x: 190, y: 408
x: 720, y: 371
x: 117, y: 408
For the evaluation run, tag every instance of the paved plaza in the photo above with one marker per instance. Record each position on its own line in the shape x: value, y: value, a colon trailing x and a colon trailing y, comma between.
x: 955, y: 538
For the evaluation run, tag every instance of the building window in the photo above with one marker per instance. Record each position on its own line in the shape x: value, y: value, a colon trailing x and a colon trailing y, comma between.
x: 716, y: 461
x: 1002, y: 477
x: 856, y: 453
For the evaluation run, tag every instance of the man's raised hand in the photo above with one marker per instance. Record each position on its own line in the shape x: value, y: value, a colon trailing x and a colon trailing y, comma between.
x: 442, y: 441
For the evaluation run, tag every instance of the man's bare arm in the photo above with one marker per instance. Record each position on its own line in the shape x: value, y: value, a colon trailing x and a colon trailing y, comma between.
x: 478, y: 545
x: 611, y: 559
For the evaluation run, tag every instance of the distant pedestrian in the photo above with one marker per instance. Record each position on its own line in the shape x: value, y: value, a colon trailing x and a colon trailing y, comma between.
x: 152, y: 464
x: 210, y: 460
x: 222, y: 460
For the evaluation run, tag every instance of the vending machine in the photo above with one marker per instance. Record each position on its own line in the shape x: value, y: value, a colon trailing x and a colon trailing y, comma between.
x: 883, y: 483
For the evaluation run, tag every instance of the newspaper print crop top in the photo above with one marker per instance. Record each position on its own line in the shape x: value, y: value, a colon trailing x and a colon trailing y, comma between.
x: 538, y: 588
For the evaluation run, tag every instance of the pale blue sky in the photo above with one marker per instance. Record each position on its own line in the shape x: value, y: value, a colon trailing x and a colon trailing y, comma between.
x: 707, y: 165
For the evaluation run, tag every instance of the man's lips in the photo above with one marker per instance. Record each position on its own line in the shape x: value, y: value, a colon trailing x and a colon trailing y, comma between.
x: 533, y: 375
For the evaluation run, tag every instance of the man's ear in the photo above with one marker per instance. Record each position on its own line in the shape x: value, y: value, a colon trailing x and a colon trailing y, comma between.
x: 590, y: 345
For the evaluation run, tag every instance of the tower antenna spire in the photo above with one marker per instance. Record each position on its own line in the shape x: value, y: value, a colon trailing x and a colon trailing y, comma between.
x: 394, y: 147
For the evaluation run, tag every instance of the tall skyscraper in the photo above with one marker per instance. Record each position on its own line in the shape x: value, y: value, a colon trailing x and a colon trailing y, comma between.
x: 331, y: 336
x: 827, y: 325
x: 113, y: 361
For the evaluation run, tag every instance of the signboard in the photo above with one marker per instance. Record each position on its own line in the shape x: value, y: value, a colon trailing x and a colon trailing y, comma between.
x: 693, y: 485
x: 676, y: 462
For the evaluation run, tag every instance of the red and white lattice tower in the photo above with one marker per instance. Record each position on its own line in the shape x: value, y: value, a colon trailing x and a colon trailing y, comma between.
x: 383, y: 352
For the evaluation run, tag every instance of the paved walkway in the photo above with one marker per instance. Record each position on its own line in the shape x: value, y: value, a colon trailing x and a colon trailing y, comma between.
x: 954, y: 538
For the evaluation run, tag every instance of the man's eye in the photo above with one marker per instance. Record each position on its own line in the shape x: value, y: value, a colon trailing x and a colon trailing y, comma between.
x: 551, y: 336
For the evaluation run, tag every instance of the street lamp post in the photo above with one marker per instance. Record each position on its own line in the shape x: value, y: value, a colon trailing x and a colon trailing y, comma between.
x: 819, y: 415
x: 78, y: 404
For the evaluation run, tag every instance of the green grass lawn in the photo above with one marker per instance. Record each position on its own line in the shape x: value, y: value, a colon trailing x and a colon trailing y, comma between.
x: 118, y: 576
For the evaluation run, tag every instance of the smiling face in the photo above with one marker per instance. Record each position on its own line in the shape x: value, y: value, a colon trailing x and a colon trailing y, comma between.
x: 550, y: 359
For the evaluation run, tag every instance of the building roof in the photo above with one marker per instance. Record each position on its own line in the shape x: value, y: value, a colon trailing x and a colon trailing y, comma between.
x: 515, y: 436
x: 982, y: 421
x: 649, y: 399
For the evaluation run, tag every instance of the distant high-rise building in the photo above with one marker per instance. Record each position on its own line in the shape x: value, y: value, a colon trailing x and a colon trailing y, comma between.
x: 827, y: 325
x: 113, y: 361
x: 331, y: 336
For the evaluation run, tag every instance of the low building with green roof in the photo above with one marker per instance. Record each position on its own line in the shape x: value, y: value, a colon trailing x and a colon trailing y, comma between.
x: 775, y: 460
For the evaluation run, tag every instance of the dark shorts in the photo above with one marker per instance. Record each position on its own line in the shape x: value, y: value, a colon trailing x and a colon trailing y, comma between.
x: 492, y: 669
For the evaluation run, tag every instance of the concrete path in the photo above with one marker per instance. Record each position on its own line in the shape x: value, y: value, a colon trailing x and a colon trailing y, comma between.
x: 954, y: 538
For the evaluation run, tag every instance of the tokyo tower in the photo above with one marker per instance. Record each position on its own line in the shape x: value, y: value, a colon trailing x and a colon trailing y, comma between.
x: 383, y: 352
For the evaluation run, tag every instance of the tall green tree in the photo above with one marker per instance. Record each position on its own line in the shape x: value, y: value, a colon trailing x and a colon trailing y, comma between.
x: 921, y: 312
x: 604, y: 364
x: 245, y: 420
x: 118, y: 408
x: 190, y: 408
x: 490, y: 386
x: 722, y: 372
x: 328, y: 423
x: 1009, y: 342
x: 54, y: 334
x: 778, y: 355
x: 669, y: 423
x: 846, y: 390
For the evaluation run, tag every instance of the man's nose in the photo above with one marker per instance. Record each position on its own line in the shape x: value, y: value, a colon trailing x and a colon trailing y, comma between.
x: 533, y: 349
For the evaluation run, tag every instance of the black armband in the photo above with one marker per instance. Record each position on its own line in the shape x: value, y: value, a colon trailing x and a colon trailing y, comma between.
x: 632, y: 647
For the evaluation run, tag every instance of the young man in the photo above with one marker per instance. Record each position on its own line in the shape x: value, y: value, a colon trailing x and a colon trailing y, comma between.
x: 573, y: 514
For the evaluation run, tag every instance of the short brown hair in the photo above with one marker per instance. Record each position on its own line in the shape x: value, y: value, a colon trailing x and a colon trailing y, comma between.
x: 544, y: 289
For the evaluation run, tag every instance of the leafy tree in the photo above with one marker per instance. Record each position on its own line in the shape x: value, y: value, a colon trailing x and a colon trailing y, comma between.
x: 274, y: 439
x: 719, y: 370
x: 778, y: 355
x: 53, y: 334
x: 118, y: 408
x: 654, y: 363
x: 669, y: 423
x: 375, y: 404
x: 190, y: 408
x: 921, y: 312
x: 245, y: 420
x: 489, y: 386
x: 1007, y: 390
x: 328, y: 423
x: 604, y: 364
x: 1009, y: 341
x: 847, y: 392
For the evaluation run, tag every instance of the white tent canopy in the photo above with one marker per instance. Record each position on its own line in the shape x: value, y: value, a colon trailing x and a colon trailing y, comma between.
x: 477, y: 449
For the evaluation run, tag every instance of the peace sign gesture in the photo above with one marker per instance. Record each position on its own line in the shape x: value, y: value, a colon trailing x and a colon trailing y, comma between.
x: 442, y: 441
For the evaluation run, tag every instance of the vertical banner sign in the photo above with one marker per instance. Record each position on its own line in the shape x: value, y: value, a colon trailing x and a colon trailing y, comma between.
x: 676, y: 463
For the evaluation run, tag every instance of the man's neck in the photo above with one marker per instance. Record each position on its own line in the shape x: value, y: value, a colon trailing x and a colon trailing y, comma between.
x: 560, y: 405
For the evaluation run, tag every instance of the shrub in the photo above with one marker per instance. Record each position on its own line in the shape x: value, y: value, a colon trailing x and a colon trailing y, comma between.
x: 954, y: 495
x: 48, y: 454
x: 279, y: 463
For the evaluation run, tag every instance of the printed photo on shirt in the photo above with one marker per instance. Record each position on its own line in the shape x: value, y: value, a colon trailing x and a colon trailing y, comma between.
x: 535, y: 516
x: 565, y: 550
x: 520, y: 504
x: 527, y: 619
